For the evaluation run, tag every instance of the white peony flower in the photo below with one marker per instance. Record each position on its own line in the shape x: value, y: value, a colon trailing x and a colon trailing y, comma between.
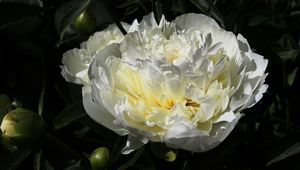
x: 183, y: 83
x: 77, y: 61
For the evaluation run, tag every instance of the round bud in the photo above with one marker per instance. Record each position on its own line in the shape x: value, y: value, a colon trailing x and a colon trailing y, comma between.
x: 21, y: 127
x: 99, y: 158
x: 85, y: 22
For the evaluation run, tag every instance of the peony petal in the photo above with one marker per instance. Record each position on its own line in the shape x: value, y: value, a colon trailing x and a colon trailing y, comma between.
x: 227, y: 117
x: 101, y: 39
x: 198, y: 141
x: 196, y: 21
x: 133, y: 143
x: 243, y: 43
x: 149, y: 21
x: 260, y: 64
x: 75, y: 66
x: 98, y: 113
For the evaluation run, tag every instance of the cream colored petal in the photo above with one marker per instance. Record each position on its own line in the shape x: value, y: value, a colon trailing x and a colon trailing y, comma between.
x: 227, y: 117
x: 97, y: 112
x: 103, y: 38
x: 196, y: 21
x: 184, y: 137
x: 149, y: 21
x: 243, y: 43
x: 133, y: 143
x: 75, y: 66
x: 259, y: 66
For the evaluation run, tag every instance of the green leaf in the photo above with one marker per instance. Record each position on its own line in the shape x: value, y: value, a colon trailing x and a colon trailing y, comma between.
x: 157, y: 10
x: 291, y: 77
x: 127, y: 3
x: 134, y: 158
x: 186, y: 166
x: 295, y: 13
x: 29, y: 2
x: 208, y: 8
x: 293, y: 150
x: 15, y: 12
x: 66, y: 14
x: 286, y: 53
x: 145, y: 162
x: 5, y: 106
x: 74, y: 165
x: 45, y: 165
x: 258, y: 19
x: 12, y: 160
x: 59, y: 144
x: 70, y: 114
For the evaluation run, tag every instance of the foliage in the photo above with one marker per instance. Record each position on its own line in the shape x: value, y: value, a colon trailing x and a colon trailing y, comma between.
x: 34, y: 37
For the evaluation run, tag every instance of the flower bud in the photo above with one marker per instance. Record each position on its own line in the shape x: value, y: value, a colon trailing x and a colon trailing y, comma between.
x: 85, y: 22
x: 99, y: 159
x: 161, y: 151
x: 21, y: 127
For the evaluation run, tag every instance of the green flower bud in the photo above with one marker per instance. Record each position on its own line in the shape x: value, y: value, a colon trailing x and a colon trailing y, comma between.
x: 99, y: 159
x: 21, y: 127
x: 161, y: 151
x: 85, y: 22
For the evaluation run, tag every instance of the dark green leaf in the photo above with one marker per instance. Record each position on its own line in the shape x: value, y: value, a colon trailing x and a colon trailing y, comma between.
x: 157, y: 10
x: 295, y: 13
x: 78, y: 168
x: 99, y: 129
x: 66, y: 14
x: 5, y: 106
x: 258, y: 19
x: 179, y: 6
x: 30, y: 2
x: 286, y: 54
x: 186, y: 166
x: 71, y: 113
x: 131, y: 9
x: 293, y: 150
x: 67, y: 150
x: 127, y: 3
x: 134, y: 158
x: 208, y: 8
x: 75, y: 166
x: 45, y: 165
x: 145, y: 162
x: 292, y: 76
x: 12, y: 160
x: 15, y: 12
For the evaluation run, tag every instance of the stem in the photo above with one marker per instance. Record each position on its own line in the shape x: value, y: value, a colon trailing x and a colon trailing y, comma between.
x: 113, y: 16
x: 37, y: 160
x: 285, y: 97
x: 65, y: 148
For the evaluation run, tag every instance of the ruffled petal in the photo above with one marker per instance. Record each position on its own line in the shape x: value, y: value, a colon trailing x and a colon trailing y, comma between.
x: 183, y: 136
x: 99, y: 113
x: 75, y: 66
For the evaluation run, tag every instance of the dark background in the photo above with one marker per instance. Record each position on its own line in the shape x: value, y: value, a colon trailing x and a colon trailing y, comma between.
x: 31, y: 46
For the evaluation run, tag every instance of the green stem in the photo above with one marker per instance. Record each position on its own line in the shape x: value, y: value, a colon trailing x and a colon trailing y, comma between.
x: 285, y: 97
x: 65, y: 148
x: 37, y: 160
x: 114, y: 18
